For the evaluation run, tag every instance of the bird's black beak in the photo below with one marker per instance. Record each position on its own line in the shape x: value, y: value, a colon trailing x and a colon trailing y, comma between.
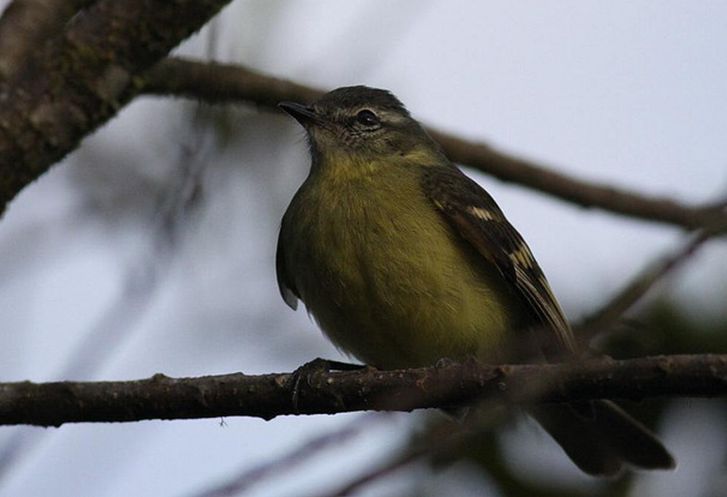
x: 302, y: 113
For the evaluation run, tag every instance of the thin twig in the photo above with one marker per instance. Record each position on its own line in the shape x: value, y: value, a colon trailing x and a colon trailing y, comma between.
x: 614, y: 309
x: 250, y: 477
x: 394, y: 464
x: 610, y: 313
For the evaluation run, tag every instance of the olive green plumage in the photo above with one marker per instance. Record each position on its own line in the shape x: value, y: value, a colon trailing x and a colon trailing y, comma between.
x: 404, y: 260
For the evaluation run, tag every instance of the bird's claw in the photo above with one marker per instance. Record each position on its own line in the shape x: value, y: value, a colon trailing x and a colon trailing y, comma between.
x: 316, y: 366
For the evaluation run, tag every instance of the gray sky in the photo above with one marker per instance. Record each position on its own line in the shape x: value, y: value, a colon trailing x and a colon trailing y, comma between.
x: 630, y: 93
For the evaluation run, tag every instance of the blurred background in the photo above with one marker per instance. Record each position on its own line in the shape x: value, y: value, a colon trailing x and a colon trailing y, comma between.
x: 151, y: 248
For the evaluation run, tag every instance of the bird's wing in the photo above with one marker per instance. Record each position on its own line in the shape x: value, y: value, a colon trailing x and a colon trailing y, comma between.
x: 475, y: 216
x: 287, y: 289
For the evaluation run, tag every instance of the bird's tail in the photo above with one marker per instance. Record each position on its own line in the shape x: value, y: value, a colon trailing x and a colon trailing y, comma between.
x: 600, y: 437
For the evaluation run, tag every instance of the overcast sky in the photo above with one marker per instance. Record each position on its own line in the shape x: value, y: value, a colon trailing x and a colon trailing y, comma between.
x: 93, y: 287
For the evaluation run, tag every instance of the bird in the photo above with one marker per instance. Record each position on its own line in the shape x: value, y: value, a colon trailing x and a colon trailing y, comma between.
x: 403, y: 260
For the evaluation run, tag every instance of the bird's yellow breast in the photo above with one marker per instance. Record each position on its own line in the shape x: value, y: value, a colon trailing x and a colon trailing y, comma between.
x: 386, y: 278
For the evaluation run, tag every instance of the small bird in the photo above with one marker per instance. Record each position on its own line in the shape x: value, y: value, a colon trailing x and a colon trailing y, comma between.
x: 403, y: 260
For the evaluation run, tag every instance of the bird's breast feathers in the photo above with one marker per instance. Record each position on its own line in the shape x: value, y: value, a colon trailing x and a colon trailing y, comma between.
x: 387, y: 279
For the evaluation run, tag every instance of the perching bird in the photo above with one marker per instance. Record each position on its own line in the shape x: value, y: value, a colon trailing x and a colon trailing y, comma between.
x: 403, y: 260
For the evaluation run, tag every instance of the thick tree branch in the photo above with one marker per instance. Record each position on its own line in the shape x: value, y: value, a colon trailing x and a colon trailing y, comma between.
x: 27, y: 25
x: 81, y: 80
x: 220, y: 82
x: 271, y: 395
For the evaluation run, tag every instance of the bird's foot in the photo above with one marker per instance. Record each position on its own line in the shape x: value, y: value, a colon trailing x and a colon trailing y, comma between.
x: 305, y: 373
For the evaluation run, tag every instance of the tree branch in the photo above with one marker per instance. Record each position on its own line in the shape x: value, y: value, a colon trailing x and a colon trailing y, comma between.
x: 271, y: 395
x: 81, y: 80
x: 586, y: 194
x: 223, y: 82
x: 634, y: 290
x: 251, y: 476
x: 27, y: 25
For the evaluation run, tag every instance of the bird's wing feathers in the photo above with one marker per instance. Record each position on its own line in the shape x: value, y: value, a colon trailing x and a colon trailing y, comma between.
x: 287, y: 289
x: 475, y: 216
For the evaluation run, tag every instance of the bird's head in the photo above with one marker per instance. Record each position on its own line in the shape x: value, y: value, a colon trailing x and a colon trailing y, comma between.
x: 361, y: 124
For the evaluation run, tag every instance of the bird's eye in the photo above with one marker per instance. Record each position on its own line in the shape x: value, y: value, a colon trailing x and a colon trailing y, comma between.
x: 367, y: 118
